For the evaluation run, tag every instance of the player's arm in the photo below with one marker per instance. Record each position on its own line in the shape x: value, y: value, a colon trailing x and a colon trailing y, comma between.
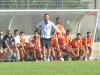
x: 91, y: 42
x: 14, y: 42
x: 32, y: 43
x: 85, y: 41
x: 76, y: 45
x: 81, y: 44
x: 38, y: 26
x: 6, y: 43
x: 30, y: 39
x: 63, y: 30
x: 55, y: 28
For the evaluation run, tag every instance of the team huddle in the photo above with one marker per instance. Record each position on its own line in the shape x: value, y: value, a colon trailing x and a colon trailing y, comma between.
x: 48, y: 40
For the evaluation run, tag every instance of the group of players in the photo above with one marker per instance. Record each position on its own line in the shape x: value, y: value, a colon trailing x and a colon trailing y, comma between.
x: 41, y: 48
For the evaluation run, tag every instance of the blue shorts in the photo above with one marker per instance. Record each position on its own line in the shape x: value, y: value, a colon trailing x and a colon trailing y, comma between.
x: 45, y: 42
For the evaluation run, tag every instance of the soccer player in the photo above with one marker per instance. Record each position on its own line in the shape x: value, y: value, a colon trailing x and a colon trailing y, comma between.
x: 88, y: 45
x: 18, y: 44
x: 60, y: 27
x: 54, y: 45
x: 76, y: 43
x: 17, y: 40
x: 10, y: 46
x: 60, y: 35
x: 29, y: 48
x: 1, y: 53
x: 35, y: 40
x: 45, y: 32
x: 67, y: 48
x: 23, y: 53
x: 17, y: 37
x: 1, y: 46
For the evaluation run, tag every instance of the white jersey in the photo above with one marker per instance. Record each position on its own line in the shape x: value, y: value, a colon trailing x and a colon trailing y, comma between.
x: 17, y: 39
x: 46, y: 29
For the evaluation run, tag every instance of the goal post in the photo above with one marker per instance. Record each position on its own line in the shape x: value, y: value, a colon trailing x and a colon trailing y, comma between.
x: 82, y: 20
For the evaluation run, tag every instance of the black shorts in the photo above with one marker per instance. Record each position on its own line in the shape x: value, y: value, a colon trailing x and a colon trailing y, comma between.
x: 45, y: 42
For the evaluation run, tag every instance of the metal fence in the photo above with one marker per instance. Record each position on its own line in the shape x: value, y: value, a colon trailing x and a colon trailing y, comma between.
x: 47, y: 4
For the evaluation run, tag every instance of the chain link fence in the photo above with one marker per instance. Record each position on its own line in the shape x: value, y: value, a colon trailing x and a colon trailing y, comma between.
x: 47, y: 4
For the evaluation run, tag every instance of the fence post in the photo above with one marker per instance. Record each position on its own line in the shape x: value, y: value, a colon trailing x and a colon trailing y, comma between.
x: 95, y: 2
x: 27, y: 4
x: 62, y: 4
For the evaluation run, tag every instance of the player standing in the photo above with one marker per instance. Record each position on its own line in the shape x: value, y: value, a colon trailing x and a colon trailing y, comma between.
x: 45, y: 32
x: 60, y: 36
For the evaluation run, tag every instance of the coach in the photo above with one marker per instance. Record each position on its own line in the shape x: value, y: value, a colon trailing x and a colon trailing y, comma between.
x: 46, y: 27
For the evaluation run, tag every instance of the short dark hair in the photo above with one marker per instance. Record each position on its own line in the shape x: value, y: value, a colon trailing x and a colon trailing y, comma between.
x: 68, y: 30
x: 58, y: 18
x: 46, y: 14
x: 21, y: 32
x: 88, y: 33
x: 16, y: 30
x: 78, y: 34
x: 35, y: 31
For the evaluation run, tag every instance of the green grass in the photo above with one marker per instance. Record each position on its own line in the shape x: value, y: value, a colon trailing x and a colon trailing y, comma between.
x: 50, y: 68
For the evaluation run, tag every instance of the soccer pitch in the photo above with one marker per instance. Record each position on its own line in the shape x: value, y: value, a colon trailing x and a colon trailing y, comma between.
x: 51, y: 68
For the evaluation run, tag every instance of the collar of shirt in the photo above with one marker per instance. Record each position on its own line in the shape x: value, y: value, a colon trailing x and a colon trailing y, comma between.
x: 48, y: 22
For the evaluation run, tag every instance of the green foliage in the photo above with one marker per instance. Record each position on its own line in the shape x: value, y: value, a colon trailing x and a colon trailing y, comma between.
x: 43, y: 4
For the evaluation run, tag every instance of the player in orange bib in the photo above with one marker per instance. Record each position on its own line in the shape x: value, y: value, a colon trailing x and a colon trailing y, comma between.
x: 54, y: 45
x: 60, y: 35
x: 76, y: 43
x: 68, y: 38
x: 36, y: 44
x: 67, y: 46
x: 23, y: 53
x: 88, y: 45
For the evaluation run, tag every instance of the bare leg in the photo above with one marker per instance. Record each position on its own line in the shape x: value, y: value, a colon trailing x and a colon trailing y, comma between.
x: 90, y: 51
x: 44, y: 55
x: 53, y: 54
x: 39, y: 53
x: 21, y: 54
x: 58, y: 51
x: 34, y: 54
x: 48, y: 53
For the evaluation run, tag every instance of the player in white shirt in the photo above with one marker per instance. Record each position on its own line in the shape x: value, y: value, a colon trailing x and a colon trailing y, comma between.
x: 17, y: 41
x: 46, y: 27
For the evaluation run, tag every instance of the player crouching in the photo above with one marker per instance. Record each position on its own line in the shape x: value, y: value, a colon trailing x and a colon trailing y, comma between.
x: 77, y: 45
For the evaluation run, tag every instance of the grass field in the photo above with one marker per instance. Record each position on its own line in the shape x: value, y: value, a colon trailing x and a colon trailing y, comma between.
x: 50, y: 68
